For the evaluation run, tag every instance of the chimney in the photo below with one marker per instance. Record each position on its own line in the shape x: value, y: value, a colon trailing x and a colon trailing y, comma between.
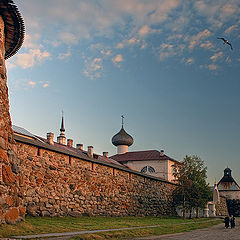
x: 50, y: 137
x: 105, y: 154
x: 61, y: 140
x: 70, y: 143
x: 79, y: 146
x: 90, y: 151
x: 162, y: 153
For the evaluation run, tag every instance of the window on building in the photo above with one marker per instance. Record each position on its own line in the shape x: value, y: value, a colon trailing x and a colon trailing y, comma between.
x: 144, y: 170
x: 148, y: 169
x: 151, y: 169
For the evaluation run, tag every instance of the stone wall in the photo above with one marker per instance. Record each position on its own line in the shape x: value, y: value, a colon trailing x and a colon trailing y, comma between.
x: 230, y: 194
x: 56, y: 184
x: 234, y: 207
x: 10, y: 197
x: 221, y: 207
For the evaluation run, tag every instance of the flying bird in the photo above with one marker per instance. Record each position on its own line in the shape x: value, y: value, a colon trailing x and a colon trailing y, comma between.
x: 226, y: 42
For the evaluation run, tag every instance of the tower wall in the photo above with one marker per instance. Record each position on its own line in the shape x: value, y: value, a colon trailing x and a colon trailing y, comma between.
x: 121, y: 149
x: 11, y: 209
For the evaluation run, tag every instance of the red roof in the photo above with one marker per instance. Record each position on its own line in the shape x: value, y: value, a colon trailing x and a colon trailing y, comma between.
x: 141, y: 156
x: 78, y: 151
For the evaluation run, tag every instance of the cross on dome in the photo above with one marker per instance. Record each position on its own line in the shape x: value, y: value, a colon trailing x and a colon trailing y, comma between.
x: 122, y: 119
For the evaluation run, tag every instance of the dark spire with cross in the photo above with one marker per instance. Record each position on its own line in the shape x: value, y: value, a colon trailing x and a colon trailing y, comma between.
x: 61, y: 138
x: 62, y: 129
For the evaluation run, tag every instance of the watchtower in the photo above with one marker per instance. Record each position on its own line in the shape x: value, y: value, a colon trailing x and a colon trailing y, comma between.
x: 11, y: 39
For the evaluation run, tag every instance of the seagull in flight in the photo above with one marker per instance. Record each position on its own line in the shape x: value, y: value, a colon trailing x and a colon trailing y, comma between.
x: 226, y: 42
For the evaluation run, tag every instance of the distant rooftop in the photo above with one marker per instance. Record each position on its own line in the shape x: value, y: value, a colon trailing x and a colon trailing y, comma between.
x: 141, y: 156
x: 22, y: 132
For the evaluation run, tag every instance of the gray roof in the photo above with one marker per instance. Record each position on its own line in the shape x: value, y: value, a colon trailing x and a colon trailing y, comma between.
x: 22, y: 131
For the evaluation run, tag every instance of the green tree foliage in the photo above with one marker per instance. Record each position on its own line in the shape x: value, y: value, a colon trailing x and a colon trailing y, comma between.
x: 192, y: 190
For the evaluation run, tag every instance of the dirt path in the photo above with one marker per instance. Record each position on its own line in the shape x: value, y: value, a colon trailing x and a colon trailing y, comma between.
x: 217, y: 232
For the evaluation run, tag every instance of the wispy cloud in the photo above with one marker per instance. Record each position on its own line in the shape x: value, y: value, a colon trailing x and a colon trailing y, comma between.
x: 188, y: 61
x: 32, y: 41
x: 230, y: 29
x: 27, y: 60
x: 65, y: 55
x: 93, y: 68
x: 207, y: 45
x: 128, y: 42
x: 106, y: 52
x: 117, y: 59
x: 144, y: 30
x: 212, y: 67
x: 166, y: 51
x: 217, y: 12
x: 27, y: 84
x: 216, y: 56
x: 195, y: 40
x: 10, y: 64
x: 68, y: 38
x: 110, y: 25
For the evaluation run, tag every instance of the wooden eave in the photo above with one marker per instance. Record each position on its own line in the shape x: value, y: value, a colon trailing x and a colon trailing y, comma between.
x: 14, y: 27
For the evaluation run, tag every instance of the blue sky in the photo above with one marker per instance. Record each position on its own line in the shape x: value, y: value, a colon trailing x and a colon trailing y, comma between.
x: 158, y: 62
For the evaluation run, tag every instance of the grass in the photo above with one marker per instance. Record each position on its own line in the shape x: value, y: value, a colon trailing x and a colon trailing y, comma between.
x: 39, y: 225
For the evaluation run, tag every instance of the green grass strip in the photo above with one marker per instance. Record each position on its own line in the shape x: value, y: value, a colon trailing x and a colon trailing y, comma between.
x: 41, y: 225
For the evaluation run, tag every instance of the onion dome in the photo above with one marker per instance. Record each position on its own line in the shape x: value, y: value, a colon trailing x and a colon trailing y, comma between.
x: 14, y: 27
x: 122, y: 138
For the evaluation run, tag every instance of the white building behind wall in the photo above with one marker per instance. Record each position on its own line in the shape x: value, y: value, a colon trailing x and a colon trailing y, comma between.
x: 152, y: 162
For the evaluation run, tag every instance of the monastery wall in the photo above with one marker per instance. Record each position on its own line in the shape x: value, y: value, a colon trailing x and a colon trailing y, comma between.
x: 221, y: 207
x: 234, y: 207
x: 57, y: 184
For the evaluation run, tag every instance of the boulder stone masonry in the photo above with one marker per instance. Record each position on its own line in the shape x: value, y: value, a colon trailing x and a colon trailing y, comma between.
x: 55, y: 184
x: 11, y: 208
x: 221, y: 207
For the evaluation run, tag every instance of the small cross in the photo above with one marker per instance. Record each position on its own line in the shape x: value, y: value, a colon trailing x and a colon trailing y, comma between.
x: 122, y: 119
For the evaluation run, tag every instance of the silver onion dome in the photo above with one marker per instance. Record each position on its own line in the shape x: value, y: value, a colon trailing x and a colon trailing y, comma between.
x: 122, y: 138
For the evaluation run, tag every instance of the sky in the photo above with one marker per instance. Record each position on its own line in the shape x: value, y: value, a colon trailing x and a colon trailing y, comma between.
x: 157, y: 62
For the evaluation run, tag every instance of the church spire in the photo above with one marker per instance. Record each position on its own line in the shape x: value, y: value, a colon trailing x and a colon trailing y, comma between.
x: 62, y: 129
x: 61, y: 138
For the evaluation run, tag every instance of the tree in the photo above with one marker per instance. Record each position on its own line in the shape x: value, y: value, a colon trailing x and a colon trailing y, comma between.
x: 192, y: 190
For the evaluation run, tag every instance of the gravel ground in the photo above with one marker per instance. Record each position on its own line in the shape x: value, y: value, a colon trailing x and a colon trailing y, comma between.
x: 217, y: 232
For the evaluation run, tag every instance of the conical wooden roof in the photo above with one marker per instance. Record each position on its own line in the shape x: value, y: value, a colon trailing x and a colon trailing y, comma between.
x: 14, y: 27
